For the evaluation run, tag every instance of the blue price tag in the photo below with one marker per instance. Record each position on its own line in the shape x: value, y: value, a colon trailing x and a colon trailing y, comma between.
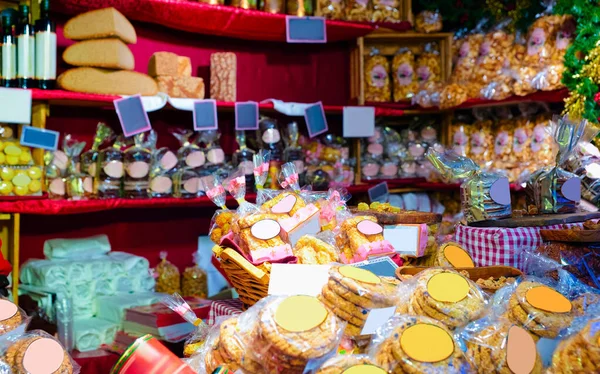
x: 39, y: 138
x: 379, y: 193
x: 246, y: 116
x: 381, y: 266
x: 305, y: 29
x: 205, y: 115
x: 133, y: 117
x: 316, y: 122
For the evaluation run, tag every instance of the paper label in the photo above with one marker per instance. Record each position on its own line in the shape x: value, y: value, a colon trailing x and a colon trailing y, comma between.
x: 300, y: 313
x: 358, y: 122
x: 246, y: 116
x: 114, y: 169
x: 500, y: 191
x: 448, y: 287
x: 265, y: 229
x: 45, y: 55
x: 458, y: 257
x: 404, y: 238
x: 379, y: 192
x: 376, y: 318
x: 15, y: 106
x: 168, y: 161
x: 316, y: 122
x: 549, y: 300
x: 285, y: 205
x: 521, y: 352
x: 426, y: 343
x: 39, y: 138
x: 571, y: 189
x: 296, y: 279
x: 25, y: 56
x: 9, y: 61
x: 138, y: 169
x: 359, y: 274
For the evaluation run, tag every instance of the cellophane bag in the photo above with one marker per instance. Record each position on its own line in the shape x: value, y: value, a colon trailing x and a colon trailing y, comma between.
x: 417, y: 344
x: 15, y: 319
x: 377, y: 79
x: 261, y: 161
x: 428, y: 21
x: 359, y: 10
x: 484, y: 195
x: 223, y: 218
x: 332, y: 9
x: 386, y: 11
x: 493, y: 57
x: 550, y: 78
x: 481, y: 138
x: 317, y: 249
x: 343, y: 363
x: 405, y: 79
x: 428, y: 66
x: 194, y: 280
x: 467, y: 55
x: 197, y: 339
x: 460, y: 132
x: 167, y: 276
x: 35, y: 352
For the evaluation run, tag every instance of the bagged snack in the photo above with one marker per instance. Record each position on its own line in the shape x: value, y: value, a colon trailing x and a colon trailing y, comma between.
x: 332, y: 9
x: 76, y: 189
x: 405, y: 79
x: 503, y: 143
x: 193, y: 281
x: 12, y: 317
x: 428, y: 64
x: 386, y: 11
x: 377, y: 78
x: 167, y: 276
x: 460, y: 133
x: 416, y: 344
x: 452, y: 255
x: 359, y: 10
x: 89, y: 159
x: 137, y: 161
x: 452, y: 95
x: 360, y: 237
x: 348, y: 364
x: 580, y: 352
x: 481, y: 139
x: 111, y: 171
x: 189, y: 154
x: 162, y: 172
x: 428, y: 21
x: 494, y: 53
x: 467, y: 55
x: 496, y: 345
x: 196, y: 341
x: 316, y: 250
x: 484, y: 196
x: 351, y: 293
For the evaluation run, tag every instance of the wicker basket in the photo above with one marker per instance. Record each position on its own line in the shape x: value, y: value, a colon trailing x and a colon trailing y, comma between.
x: 250, y: 282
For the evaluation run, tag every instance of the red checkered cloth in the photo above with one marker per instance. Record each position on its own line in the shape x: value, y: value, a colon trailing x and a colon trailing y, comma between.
x: 222, y: 308
x: 499, y: 245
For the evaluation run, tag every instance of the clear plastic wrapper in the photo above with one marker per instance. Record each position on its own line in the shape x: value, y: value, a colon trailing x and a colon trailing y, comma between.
x: 504, y: 158
x: 370, y: 168
x: 340, y: 364
x: 331, y: 206
x: 481, y: 138
x: 35, y: 352
x: 288, y: 178
x: 137, y: 161
x: 213, y: 187
x: 416, y: 344
x: 221, y: 224
x: 235, y: 184
x: 428, y: 21
x: 194, y: 280
x: 167, y: 276
x: 197, y: 339
x: 494, y: 52
x: 543, y: 147
x: 332, y: 9
x: 89, y: 158
x: 285, y: 204
x: 501, y: 88
x: 359, y: 10
x: 12, y: 316
x: 496, y: 345
x: 187, y: 183
x: 316, y: 250
x: 467, y: 56
x: 190, y: 154
x: 76, y: 189
x: 428, y: 94
x: 386, y: 11
x: 111, y: 170
x: 428, y: 65
x: 405, y: 79
x: 461, y: 133
x: 484, y: 195
x: 261, y: 171
x: 580, y: 352
x: 55, y: 182
x: 445, y: 295
x: 360, y: 237
x: 377, y: 79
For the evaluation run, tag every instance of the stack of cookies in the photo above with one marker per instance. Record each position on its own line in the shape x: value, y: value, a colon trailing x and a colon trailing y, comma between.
x: 37, y: 352
x: 228, y: 349
x: 352, y: 292
x: 498, y: 346
x: 540, y: 309
x: 580, y: 353
x: 452, y: 255
x: 174, y: 76
x: 445, y: 295
x: 350, y: 364
x: 103, y: 59
x: 11, y: 316
x: 415, y: 344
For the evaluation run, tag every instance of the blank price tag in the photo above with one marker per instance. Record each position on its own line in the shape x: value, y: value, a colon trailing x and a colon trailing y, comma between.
x: 376, y: 318
x: 381, y: 266
x: 205, y: 115
x: 359, y: 121
x: 133, y: 117
x: 379, y: 193
x: 404, y: 238
x: 246, y: 116
x: 294, y: 279
x: 15, y: 105
x: 305, y: 29
x: 316, y: 122
x: 39, y: 138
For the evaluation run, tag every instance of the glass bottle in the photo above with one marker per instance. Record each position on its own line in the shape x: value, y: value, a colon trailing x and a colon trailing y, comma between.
x: 25, y: 49
x: 9, y: 51
x: 89, y: 159
x: 242, y: 159
x: 110, y: 173
x: 293, y: 153
x: 45, y: 48
x: 270, y: 139
x: 137, y: 161
x: 214, y: 153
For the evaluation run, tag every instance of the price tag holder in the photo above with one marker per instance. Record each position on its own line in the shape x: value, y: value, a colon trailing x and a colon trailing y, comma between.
x: 404, y: 238
x: 39, y: 138
x: 294, y: 279
x: 376, y: 319
x: 246, y: 116
x: 381, y: 266
x: 316, y: 122
x: 379, y: 193
x: 359, y: 121
x: 205, y: 115
x: 15, y: 105
x: 133, y: 117
x: 305, y: 29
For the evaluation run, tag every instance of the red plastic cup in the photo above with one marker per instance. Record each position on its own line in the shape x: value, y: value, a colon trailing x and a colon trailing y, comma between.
x: 148, y: 356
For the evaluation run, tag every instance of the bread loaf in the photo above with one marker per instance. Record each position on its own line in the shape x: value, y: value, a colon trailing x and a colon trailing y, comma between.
x: 100, y: 23
x: 109, y: 53
x: 223, y: 70
x: 163, y: 63
x: 181, y: 87
x: 108, y: 82
x: 184, y: 66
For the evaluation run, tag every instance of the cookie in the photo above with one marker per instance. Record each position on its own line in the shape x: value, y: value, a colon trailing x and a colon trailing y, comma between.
x: 355, y: 310
x: 234, y: 346
x: 25, y: 354
x: 518, y: 315
x: 452, y: 255
x: 350, y: 296
x: 580, y: 353
x: 340, y: 312
x: 346, y: 364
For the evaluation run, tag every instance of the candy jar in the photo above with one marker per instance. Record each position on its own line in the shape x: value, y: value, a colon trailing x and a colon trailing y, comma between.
x: 110, y: 175
x: 137, y: 161
x: 242, y: 159
x: 89, y: 159
x: 78, y: 183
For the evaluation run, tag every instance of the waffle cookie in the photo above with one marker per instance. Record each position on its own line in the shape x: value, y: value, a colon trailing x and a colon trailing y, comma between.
x: 349, y: 364
x: 580, y: 353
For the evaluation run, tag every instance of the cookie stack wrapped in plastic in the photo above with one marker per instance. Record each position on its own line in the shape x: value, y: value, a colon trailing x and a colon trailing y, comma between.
x: 360, y: 237
x: 11, y: 316
x: 416, y: 344
x: 451, y: 254
x: 167, y: 276
x: 445, y: 295
x: 497, y: 345
x: 377, y: 79
x: 580, y: 352
x: 484, y: 195
x: 350, y: 363
x: 352, y: 292
x: 260, y: 237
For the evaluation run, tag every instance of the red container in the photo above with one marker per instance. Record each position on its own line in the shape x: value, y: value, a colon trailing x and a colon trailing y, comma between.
x: 148, y: 356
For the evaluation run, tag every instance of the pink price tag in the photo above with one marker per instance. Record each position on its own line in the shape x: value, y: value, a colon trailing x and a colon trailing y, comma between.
x: 305, y: 29
x: 132, y: 115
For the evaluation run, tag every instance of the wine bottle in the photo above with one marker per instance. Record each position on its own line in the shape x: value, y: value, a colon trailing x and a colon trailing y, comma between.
x: 25, y: 49
x: 9, y: 51
x: 45, y: 48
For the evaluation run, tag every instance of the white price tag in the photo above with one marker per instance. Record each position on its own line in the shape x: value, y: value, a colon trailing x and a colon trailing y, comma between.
x: 294, y: 279
x: 15, y: 105
x: 404, y: 238
x: 376, y: 318
x: 359, y: 121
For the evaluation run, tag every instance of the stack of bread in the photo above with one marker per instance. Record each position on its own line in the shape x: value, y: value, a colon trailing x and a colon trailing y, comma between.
x: 174, y: 76
x: 104, y: 63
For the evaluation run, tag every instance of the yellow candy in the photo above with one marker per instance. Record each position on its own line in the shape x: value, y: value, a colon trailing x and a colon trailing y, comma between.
x: 12, y: 160
x: 7, y: 173
x: 21, y: 190
x: 25, y: 157
x: 20, y: 172
x: 12, y: 150
x: 21, y: 180
x: 35, y: 186
x: 8, y: 144
x: 2, y: 158
x: 34, y: 172
x: 2, y: 145
x: 5, y: 188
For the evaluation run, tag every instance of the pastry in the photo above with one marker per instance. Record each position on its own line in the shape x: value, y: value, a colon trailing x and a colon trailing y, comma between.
x: 100, y: 23
x: 223, y: 76
x: 311, y: 250
x: 184, y: 66
x: 360, y: 237
x: 260, y: 236
x: 163, y: 63
x: 107, y: 82
x: 234, y: 346
x: 181, y: 87
x: 109, y: 53
x: 286, y: 203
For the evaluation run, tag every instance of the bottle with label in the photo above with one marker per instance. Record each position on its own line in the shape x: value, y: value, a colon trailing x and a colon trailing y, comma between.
x: 242, y: 159
x: 45, y: 48
x: 137, y: 161
x: 9, y: 51
x: 110, y: 173
x: 89, y: 159
x: 270, y: 139
x: 25, y: 49
x: 293, y: 153
x: 215, y: 156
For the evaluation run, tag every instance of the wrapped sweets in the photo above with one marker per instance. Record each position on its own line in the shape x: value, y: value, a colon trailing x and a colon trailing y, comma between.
x: 360, y: 237
x: 493, y: 54
x: 416, y: 344
x: 313, y: 250
x: 377, y: 80
x: 77, y: 187
x: 190, y: 154
x: 194, y: 281
x: 352, y: 292
x: 405, y: 79
x: 496, y: 345
x: 37, y: 352
x: 467, y: 55
x: 484, y: 196
x: 359, y: 10
x: 332, y: 9
x: 11, y: 316
x: 110, y: 169
x: 89, y: 159
x: 137, y: 162
x: 348, y: 364
x: 428, y: 21
x: 386, y: 11
x: 580, y: 352
x: 260, y: 237
x: 428, y: 65
x: 167, y: 276
x: 560, y: 190
x: 481, y: 139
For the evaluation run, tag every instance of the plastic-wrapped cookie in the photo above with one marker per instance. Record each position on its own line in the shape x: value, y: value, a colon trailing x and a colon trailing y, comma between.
x: 233, y: 344
x: 11, y: 316
x: 350, y: 364
x: 500, y: 346
x: 416, y: 344
x: 580, y: 353
x: 453, y: 255
x: 38, y: 352
x: 370, y: 289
